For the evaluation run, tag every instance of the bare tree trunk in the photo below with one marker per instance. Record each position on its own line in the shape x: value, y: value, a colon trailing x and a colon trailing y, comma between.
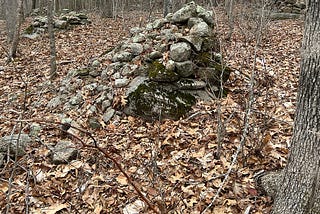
x: 299, y: 190
x: 229, y: 4
x: 53, y: 54
x: 16, y: 32
x: 167, y: 7
x: 106, y: 8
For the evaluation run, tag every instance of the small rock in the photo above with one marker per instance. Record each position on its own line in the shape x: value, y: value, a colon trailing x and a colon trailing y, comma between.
x: 105, y: 104
x: 108, y: 115
x: 64, y: 152
x: 122, y: 57
x: 35, y: 129
x: 54, y: 102
x: 155, y: 55
x: 15, y: 143
x: 76, y: 100
x: 139, y: 38
x: 61, y: 24
x: 94, y: 123
x: 96, y: 63
x: 134, y: 48
x: 184, y: 13
x: 121, y: 82
x: 1, y: 159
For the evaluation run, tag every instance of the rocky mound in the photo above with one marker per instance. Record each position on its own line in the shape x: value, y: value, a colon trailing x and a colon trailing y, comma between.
x: 62, y: 22
x: 177, y: 57
x: 159, y: 72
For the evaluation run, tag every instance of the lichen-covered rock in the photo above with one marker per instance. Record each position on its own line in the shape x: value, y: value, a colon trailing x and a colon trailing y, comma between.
x: 185, y: 13
x: 158, y: 72
x: 124, y: 56
x: 64, y: 152
x: 190, y: 84
x: 134, y: 48
x: 185, y: 69
x: 153, y: 101
x: 15, y: 144
x: 200, y: 29
x: 180, y: 52
x: 194, y: 40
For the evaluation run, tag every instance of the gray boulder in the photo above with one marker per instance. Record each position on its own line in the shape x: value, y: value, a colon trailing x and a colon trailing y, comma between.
x: 184, y: 69
x: 15, y: 144
x: 124, y: 56
x: 200, y: 29
x: 186, y: 12
x: 64, y: 152
x: 180, y: 52
x: 108, y: 115
x: 152, y: 101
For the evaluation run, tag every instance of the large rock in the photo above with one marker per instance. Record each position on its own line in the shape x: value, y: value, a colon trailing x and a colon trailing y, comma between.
x: 185, y: 13
x: 158, y: 72
x: 64, y: 152
x: 152, y: 101
x: 180, y: 52
x: 15, y: 144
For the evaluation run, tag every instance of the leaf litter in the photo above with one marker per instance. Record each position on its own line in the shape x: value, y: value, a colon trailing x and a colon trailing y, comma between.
x: 172, y: 162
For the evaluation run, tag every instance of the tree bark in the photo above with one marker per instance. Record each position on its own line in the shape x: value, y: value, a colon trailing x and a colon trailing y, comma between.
x: 167, y: 7
x: 299, y: 190
x: 53, y: 54
x: 16, y: 31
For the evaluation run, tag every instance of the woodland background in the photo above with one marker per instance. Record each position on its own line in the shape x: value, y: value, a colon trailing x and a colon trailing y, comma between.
x: 174, y: 163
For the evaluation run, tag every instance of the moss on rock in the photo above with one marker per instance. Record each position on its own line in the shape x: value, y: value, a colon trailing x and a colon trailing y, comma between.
x: 158, y: 72
x: 153, y: 100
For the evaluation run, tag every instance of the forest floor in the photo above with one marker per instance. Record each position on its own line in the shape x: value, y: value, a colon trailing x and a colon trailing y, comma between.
x: 174, y: 163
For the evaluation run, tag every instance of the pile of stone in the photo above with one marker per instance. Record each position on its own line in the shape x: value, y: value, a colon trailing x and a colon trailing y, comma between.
x: 173, y: 60
x: 290, y: 6
x: 62, y: 22
x: 160, y: 71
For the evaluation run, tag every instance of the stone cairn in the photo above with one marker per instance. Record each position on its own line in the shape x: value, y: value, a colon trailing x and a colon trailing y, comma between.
x: 290, y: 6
x: 62, y: 22
x: 171, y: 62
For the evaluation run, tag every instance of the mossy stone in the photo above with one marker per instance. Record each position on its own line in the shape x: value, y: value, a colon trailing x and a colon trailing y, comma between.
x: 152, y: 101
x: 157, y: 72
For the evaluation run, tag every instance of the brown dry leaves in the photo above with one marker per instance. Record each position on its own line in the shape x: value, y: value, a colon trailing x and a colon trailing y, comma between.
x: 173, y: 163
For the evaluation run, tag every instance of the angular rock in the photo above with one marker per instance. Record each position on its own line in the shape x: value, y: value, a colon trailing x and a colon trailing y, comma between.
x: 124, y: 56
x: 152, y: 101
x: 194, y: 20
x: 186, y: 12
x: 158, y: 73
x: 207, y: 16
x: 201, y: 29
x: 134, y: 48
x: 118, y: 83
x: 195, y: 41
x: 180, y: 52
x: 94, y: 123
x: 139, y: 38
x: 108, y: 115
x: 159, y: 23
x: 76, y: 100
x: 16, y: 144
x: 134, y: 84
x: 64, y: 152
x: 55, y: 102
x: 185, y: 69
x: 190, y: 84
x: 61, y: 24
